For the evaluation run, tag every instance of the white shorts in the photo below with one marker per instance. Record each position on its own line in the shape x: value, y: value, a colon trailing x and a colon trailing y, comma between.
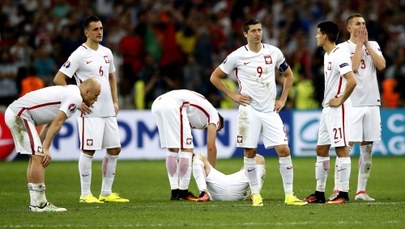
x: 252, y: 124
x: 172, y: 122
x: 98, y: 133
x: 365, y: 124
x: 333, y: 126
x: 25, y: 135
x: 232, y: 187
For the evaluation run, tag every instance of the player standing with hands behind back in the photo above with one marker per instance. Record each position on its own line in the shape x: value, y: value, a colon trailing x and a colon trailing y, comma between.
x: 254, y: 65
x: 365, y: 123
x: 98, y: 127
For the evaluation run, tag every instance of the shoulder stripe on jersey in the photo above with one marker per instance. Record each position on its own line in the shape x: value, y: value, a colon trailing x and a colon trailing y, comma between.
x: 335, y: 49
x: 37, y: 106
x: 83, y: 46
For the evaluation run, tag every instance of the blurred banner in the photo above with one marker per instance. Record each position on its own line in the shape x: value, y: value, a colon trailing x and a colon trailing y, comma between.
x: 140, y: 139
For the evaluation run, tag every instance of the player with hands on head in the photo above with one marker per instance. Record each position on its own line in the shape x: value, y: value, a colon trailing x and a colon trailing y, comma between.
x: 365, y: 123
x: 339, y: 84
x: 49, y: 106
x: 255, y: 67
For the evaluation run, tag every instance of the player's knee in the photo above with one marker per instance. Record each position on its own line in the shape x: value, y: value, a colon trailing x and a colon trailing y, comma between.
x: 114, y: 151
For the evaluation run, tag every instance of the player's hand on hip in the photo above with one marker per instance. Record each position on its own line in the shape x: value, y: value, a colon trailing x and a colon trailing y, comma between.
x: 278, y: 105
x: 85, y: 109
x: 242, y: 99
x: 335, y: 102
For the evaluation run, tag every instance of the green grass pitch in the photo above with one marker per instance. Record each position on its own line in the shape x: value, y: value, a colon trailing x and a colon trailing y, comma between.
x: 145, y: 184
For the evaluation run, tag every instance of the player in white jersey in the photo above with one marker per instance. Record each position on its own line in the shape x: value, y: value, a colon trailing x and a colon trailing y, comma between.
x: 97, y: 125
x: 176, y: 113
x: 365, y: 123
x: 339, y: 84
x: 254, y: 65
x: 50, y: 105
x: 224, y: 187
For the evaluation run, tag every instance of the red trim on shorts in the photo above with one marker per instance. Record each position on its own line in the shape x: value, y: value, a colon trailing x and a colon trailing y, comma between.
x: 343, y: 122
x: 82, y: 145
x: 29, y: 132
x: 181, y: 124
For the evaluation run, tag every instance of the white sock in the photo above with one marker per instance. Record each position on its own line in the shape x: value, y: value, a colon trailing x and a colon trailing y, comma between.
x: 261, y: 174
x: 172, y: 170
x: 199, y: 174
x: 37, y: 194
x: 321, y: 172
x: 337, y: 182
x: 344, y: 169
x: 85, y: 163
x: 365, y: 164
x: 184, y: 169
x: 108, y: 171
x: 251, y: 173
x: 287, y: 173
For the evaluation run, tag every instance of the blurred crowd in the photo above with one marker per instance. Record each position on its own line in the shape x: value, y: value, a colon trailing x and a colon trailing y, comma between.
x: 160, y: 45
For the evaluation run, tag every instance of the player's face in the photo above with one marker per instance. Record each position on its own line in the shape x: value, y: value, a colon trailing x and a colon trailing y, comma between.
x: 91, y: 96
x: 320, y: 38
x: 94, y: 31
x: 355, y: 24
x: 254, y: 34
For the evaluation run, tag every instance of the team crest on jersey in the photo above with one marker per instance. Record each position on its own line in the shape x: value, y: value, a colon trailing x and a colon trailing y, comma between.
x: 329, y: 66
x: 268, y: 59
x: 72, y: 107
x: 66, y: 64
x: 89, y: 142
x: 106, y: 59
x: 239, y: 139
x: 189, y: 141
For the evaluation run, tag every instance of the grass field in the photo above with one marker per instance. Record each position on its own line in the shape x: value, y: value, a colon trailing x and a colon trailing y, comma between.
x: 145, y: 184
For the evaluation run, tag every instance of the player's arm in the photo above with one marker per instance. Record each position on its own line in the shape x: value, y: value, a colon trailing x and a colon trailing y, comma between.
x: 216, y: 79
x: 113, y: 86
x: 50, y: 134
x: 211, y: 144
x: 60, y: 79
x: 378, y: 60
x: 350, y: 85
x: 287, y: 85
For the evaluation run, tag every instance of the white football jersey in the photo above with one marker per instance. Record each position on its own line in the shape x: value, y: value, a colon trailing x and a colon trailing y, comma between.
x: 336, y: 64
x: 200, y: 111
x: 255, y: 73
x: 41, y: 106
x: 85, y: 62
x: 366, y: 93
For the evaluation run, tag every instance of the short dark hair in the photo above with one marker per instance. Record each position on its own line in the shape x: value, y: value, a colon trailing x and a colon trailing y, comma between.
x: 330, y: 28
x: 248, y: 23
x: 352, y: 16
x: 89, y: 20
